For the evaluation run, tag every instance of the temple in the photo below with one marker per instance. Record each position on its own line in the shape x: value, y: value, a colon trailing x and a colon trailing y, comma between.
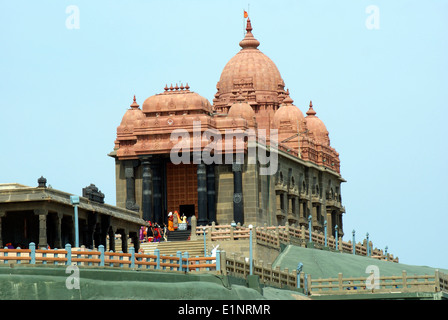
x: 249, y: 157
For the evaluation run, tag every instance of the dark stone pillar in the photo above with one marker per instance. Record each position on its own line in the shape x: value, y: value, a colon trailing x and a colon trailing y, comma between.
x: 91, y: 227
x: 130, y: 185
x: 43, y: 242
x: 202, y: 194
x: 148, y: 213
x: 58, y: 238
x: 157, y: 189
x: 238, y: 204
x: 135, y: 240
x: 2, y: 215
x: 211, y: 196
x: 111, y: 234
x: 105, y: 226
x: 83, y: 233
x: 124, y: 240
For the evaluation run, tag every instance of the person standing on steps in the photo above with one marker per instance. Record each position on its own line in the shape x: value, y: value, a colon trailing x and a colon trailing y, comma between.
x: 170, y: 222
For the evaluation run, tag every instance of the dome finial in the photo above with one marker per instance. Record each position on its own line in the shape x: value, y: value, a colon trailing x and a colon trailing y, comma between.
x: 288, y: 99
x: 249, y: 41
x: 311, y: 111
x: 134, y: 103
x: 248, y: 25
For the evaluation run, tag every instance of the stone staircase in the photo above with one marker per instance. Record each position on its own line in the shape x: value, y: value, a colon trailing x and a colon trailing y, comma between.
x: 167, y: 248
x: 179, y: 235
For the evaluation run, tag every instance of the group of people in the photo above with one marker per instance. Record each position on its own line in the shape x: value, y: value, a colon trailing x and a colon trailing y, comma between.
x: 175, y: 219
x: 155, y: 233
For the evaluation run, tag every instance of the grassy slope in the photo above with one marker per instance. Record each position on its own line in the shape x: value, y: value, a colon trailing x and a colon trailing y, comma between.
x: 326, y: 264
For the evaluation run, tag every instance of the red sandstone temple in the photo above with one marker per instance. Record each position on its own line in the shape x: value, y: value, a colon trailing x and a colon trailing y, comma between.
x: 250, y: 98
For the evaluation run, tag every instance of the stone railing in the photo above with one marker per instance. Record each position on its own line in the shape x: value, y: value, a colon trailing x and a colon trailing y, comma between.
x: 239, y: 266
x: 84, y: 257
x: 273, y: 236
x: 222, y: 264
x: 370, y: 284
x: 442, y: 281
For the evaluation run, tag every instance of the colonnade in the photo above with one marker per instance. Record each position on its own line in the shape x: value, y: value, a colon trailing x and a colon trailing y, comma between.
x: 154, y: 190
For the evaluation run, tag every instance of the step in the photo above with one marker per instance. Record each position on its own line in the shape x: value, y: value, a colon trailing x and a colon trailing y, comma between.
x: 194, y: 248
x: 179, y: 235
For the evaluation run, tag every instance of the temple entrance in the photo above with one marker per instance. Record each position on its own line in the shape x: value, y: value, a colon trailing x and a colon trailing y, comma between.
x: 188, y: 210
x: 182, y: 188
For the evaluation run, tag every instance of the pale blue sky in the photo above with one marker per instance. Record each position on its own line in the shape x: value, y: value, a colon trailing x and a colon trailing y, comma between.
x: 381, y: 94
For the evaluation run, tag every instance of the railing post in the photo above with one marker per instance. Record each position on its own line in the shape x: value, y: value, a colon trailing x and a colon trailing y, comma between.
x: 68, y: 248
x: 437, y: 280
x: 157, y: 253
x: 305, y: 284
x: 336, y: 236
x: 120, y: 258
x: 186, y: 256
x: 5, y: 255
x: 205, y: 241
x: 404, y: 280
x: 353, y: 243
x: 218, y: 261
x: 132, y: 251
x: 340, y: 282
x: 44, y: 255
x: 32, y: 247
x: 310, y: 228
x: 367, y: 244
x: 325, y: 232
x: 179, y: 255
x: 101, y: 248
x: 223, y: 263
x: 18, y: 256
x: 299, y: 270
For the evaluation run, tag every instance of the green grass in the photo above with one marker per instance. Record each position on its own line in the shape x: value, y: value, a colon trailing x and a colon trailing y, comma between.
x: 327, y: 264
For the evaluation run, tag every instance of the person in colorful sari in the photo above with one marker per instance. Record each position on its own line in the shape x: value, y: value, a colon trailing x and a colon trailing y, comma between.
x: 170, y: 222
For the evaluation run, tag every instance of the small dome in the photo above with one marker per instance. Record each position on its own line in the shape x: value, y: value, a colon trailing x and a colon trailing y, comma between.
x: 130, y: 117
x: 316, y: 127
x: 288, y: 117
x: 176, y: 99
x: 241, y: 109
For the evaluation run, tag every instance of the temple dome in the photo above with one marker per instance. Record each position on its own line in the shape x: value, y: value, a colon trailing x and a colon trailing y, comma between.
x: 241, y: 109
x: 316, y: 127
x: 130, y: 117
x: 288, y: 117
x: 176, y: 99
x: 249, y: 70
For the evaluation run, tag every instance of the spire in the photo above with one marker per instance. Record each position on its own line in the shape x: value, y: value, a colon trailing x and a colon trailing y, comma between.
x: 288, y: 100
x: 311, y: 111
x: 249, y: 41
x: 248, y: 26
x: 134, y: 104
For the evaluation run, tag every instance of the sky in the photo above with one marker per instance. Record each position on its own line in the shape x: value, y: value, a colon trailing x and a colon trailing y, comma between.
x: 375, y: 70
